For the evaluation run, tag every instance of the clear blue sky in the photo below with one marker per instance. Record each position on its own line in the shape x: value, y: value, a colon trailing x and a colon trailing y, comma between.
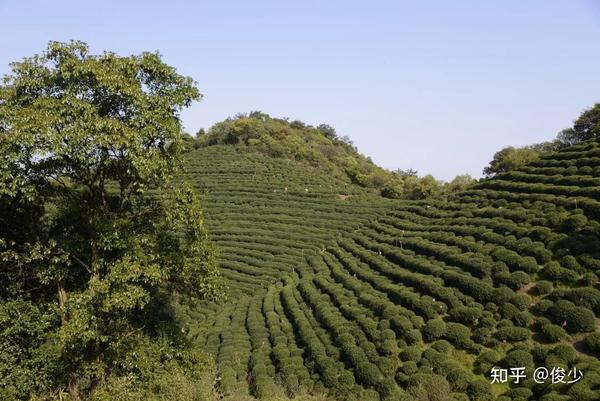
x: 437, y: 86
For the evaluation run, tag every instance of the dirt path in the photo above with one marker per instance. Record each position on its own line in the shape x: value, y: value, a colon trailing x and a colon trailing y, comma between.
x: 525, y: 289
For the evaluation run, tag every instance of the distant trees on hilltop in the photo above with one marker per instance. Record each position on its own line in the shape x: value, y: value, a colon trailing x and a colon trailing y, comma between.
x: 322, y: 147
x: 586, y: 127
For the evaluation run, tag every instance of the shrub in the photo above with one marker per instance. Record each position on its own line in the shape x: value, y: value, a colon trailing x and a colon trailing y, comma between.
x: 564, y: 352
x: 521, y: 301
x: 556, y: 272
x: 387, y: 365
x: 552, y: 396
x: 388, y: 389
x: 512, y: 334
x: 539, y: 354
x: 553, y: 332
x: 345, y: 382
x: 409, y: 367
x: 518, y: 358
x: 523, y: 319
x: 574, y: 222
x: 433, y: 329
x: 509, y: 311
x: 486, y: 361
x: 543, y: 287
x: 519, y: 393
x: 481, y: 335
x: 517, y: 279
x: 576, y: 318
x: 570, y: 263
x: 411, y: 353
x: 543, y: 306
x: 480, y: 389
x: 459, y: 335
x: 368, y: 374
x: 388, y: 343
x: 590, y: 279
x: 413, y: 337
x: 464, y: 314
x: 434, y: 357
x: 228, y: 381
x: 586, y: 297
x: 442, y: 346
x: 423, y: 386
x: 592, y: 343
x: 460, y: 397
x: 456, y: 375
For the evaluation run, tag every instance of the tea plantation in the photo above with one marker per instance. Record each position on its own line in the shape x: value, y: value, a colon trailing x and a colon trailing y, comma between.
x: 337, y: 290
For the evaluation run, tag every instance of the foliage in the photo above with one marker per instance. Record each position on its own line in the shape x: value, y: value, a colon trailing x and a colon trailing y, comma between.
x: 320, y: 146
x: 553, y: 332
x: 587, y: 126
x: 83, y: 139
x: 575, y: 318
x: 510, y: 158
x: 592, y: 343
x: 434, y: 329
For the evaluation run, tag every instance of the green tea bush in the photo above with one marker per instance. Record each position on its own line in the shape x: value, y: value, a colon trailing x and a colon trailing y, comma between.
x: 543, y: 287
x: 592, y: 343
x: 434, y: 329
x: 459, y: 335
x: 554, y: 271
x: 553, y: 333
x: 465, y: 315
x: 576, y: 318
x: 513, y: 334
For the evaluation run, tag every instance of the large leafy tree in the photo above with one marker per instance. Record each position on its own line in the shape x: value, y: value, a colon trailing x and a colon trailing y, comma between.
x: 93, y: 218
x: 509, y: 159
x: 587, y: 126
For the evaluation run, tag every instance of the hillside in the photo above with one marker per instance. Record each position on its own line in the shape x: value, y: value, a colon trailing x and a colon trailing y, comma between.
x: 280, y: 138
x: 338, y: 290
x: 268, y: 259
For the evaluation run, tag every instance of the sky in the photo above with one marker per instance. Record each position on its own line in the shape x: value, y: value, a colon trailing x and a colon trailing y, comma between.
x: 436, y: 86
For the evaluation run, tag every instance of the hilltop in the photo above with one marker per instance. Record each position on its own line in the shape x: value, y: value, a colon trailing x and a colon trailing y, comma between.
x: 321, y: 147
x: 280, y: 138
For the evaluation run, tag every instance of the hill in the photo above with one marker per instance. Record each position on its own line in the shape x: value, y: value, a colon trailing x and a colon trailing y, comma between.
x: 339, y: 291
x: 346, y: 281
x: 322, y: 148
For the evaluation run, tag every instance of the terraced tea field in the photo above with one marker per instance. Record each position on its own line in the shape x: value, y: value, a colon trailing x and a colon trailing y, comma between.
x: 337, y: 290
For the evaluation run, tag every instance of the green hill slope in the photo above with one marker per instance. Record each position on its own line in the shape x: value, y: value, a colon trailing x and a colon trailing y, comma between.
x: 339, y: 291
x: 268, y: 213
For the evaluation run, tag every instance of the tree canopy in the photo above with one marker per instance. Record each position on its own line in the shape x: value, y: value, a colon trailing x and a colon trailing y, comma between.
x: 586, y: 127
x: 95, y: 233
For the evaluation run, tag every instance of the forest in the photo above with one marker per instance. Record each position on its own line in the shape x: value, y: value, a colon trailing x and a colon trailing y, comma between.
x: 265, y: 258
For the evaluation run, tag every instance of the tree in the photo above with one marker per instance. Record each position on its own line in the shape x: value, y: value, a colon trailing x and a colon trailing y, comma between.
x: 90, y: 145
x: 393, y: 189
x: 587, y: 126
x: 460, y: 183
x: 327, y: 130
x: 406, y: 173
x: 510, y: 158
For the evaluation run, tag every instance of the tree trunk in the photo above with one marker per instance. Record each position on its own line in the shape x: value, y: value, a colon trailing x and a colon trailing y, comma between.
x: 72, y: 388
x: 62, y: 301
